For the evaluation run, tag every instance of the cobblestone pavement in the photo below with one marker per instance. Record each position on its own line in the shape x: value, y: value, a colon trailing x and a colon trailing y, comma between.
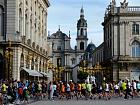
x: 89, y: 102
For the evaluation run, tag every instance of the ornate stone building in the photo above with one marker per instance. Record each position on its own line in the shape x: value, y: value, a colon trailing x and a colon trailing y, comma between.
x: 23, y: 39
x: 63, y: 56
x: 121, y: 54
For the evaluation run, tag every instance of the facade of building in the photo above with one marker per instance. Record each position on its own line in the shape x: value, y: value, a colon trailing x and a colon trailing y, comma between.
x: 121, y: 54
x: 65, y: 58
x: 23, y: 39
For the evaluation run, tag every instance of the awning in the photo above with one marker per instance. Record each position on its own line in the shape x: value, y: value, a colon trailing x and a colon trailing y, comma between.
x: 45, y: 74
x: 32, y: 72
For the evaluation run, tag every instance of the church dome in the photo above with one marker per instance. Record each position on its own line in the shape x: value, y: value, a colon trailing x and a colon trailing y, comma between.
x: 59, y: 34
x: 90, y: 47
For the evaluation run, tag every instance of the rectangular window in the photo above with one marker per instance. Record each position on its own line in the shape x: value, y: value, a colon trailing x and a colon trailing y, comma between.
x: 133, y: 51
x: 137, y: 52
x: 135, y: 29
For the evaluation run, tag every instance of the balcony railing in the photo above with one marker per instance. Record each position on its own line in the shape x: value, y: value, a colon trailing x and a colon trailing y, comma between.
x: 134, y: 9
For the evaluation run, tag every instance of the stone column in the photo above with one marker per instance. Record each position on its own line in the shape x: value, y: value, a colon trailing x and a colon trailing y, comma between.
x: 16, y: 63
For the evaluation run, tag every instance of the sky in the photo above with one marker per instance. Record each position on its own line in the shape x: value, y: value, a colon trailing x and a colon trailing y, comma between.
x: 66, y: 13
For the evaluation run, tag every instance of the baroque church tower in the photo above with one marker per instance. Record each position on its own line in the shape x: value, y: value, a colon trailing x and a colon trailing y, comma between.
x: 81, y: 32
x: 63, y: 56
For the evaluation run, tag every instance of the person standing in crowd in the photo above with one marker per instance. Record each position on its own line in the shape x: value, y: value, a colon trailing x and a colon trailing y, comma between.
x: 100, y: 91
x: 1, y: 99
x: 20, y: 92
x: 127, y: 91
x: 134, y: 87
x: 4, y: 87
x: 88, y: 90
x: 138, y: 88
x: 94, y: 90
x: 123, y: 86
x: 43, y: 89
x: 39, y: 90
x: 116, y: 89
x: 72, y: 88
x: 50, y: 90
x: 68, y: 96
x: 55, y: 89
x: 25, y: 93
x: 83, y: 88
x: 107, y: 91
x: 62, y: 91
x: 79, y: 88
x: 120, y: 88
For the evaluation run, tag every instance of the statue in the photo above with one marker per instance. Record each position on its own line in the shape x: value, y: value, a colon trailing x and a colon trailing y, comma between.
x: 87, y: 80
x: 124, y: 4
x: 92, y: 79
x: 113, y: 2
x: 124, y: 1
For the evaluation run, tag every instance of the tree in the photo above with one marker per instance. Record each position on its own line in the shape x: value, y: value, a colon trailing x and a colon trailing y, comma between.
x: 82, y: 75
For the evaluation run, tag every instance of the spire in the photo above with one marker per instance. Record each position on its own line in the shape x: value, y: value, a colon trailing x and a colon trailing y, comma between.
x: 48, y: 33
x: 59, y: 28
x: 69, y: 33
x: 82, y: 13
x: 91, y: 42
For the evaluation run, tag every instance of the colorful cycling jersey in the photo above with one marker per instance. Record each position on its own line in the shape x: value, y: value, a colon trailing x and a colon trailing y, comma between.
x: 123, y: 85
x: 83, y: 86
x: 4, y: 87
x: 79, y: 87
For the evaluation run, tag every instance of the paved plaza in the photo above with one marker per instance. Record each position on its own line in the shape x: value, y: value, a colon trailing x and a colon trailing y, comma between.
x: 89, y: 102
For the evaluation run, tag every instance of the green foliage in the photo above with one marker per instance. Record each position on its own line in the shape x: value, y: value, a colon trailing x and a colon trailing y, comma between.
x: 82, y: 75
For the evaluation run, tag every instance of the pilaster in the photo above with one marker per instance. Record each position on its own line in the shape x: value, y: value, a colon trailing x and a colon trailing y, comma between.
x: 16, y: 63
x: 115, y: 72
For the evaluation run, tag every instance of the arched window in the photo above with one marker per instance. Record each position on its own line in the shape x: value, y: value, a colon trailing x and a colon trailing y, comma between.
x: 73, y: 61
x: 20, y: 20
x: 30, y: 26
x: 135, y: 49
x: 82, y: 46
x: 26, y: 24
x: 59, y: 62
x: 81, y: 31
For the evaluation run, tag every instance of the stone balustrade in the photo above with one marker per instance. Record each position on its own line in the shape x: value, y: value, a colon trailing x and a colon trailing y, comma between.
x: 134, y: 9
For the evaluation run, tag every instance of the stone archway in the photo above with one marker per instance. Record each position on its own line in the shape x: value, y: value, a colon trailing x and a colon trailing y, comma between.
x: 23, y: 74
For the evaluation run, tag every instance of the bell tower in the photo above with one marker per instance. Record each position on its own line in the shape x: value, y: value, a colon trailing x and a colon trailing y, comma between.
x: 81, y: 32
